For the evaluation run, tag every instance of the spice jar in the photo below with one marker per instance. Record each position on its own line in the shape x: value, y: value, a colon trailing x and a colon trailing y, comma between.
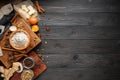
x: 27, y: 75
x: 28, y: 62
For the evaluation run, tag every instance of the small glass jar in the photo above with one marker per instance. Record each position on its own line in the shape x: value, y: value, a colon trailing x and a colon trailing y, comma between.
x: 28, y: 62
x: 27, y: 75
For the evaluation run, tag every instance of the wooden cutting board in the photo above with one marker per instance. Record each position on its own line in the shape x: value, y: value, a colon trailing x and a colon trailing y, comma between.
x: 39, y: 67
x: 13, y: 54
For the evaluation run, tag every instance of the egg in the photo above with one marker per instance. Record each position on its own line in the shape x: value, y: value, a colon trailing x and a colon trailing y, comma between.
x: 33, y: 21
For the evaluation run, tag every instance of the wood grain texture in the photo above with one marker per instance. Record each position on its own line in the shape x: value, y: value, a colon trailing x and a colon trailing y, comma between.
x: 82, y: 32
x: 73, y: 61
x: 68, y: 47
x: 81, y: 74
x: 88, y: 19
x: 84, y: 39
x: 81, y: 6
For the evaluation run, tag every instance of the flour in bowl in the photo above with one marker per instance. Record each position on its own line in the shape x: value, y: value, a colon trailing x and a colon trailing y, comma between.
x: 20, y: 39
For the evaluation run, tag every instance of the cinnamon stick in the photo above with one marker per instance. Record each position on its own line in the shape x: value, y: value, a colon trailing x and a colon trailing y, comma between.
x: 16, y: 14
x: 39, y: 8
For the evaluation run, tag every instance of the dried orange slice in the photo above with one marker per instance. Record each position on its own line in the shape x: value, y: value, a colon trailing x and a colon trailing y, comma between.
x: 35, y: 28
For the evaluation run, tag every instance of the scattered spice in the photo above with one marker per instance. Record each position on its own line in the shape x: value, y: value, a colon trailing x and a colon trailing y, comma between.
x: 47, y: 28
x: 40, y: 55
x: 42, y: 58
x: 42, y: 49
x: 39, y: 35
x: 45, y: 42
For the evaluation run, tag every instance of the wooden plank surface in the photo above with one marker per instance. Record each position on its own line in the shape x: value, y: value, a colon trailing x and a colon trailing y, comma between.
x: 81, y: 74
x: 81, y: 32
x: 81, y: 6
x: 73, y: 61
x: 83, y: 41
x: 82, y: 19
x: 60, y: 46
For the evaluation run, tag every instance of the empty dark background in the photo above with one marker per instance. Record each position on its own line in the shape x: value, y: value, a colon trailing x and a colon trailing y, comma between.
x: 84, y: 39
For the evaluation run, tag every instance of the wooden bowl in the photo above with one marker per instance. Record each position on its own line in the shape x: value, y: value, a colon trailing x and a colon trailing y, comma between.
x: 19, y: 39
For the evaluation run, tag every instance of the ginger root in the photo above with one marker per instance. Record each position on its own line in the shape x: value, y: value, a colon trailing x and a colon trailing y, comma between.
x: 7, y: 73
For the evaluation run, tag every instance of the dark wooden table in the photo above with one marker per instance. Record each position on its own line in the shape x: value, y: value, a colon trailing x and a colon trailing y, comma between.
x: 84, y: 39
